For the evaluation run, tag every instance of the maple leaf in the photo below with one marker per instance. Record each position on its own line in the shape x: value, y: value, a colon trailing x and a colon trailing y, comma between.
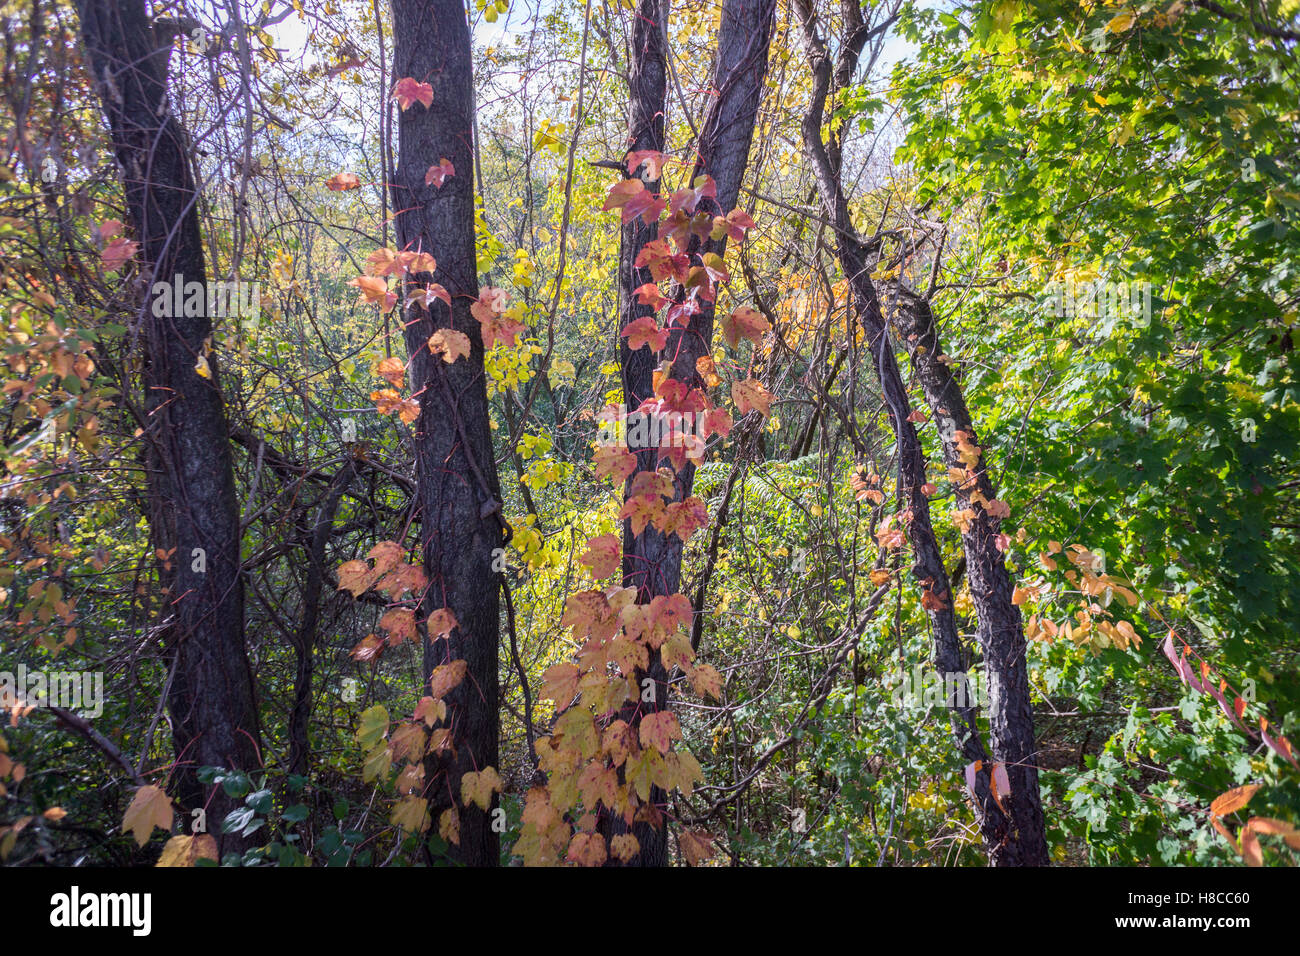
x: 696, y: 845
x: 602, y: 555
x: 677, y: 652
x: 450, y: 344
x: 407, y: 742
x: 632, y: 199
x: 185, y: 850
x: 684, y: 518
x: 417, y: 262
x: 931, y: 601
x: 150, y: 808
x: 446, y: 677
x: 734, y: 226
x: 439, y: 172
x: 411, y: 814
x: 587, y: 849
x: 649, y: 294
x: 652, y: 483
x: 916, y: 415
x: 652, y: 158
x: 392, y: 370
x: 661, y: 262
x: 384, y: 262
x: 355, y: 576
x: 643, y: 771
x: 368, y: 648
x: 598, y: 784
x: 426, y: 295
x: 386, y: 400
x: 998, y: 509
x: 109, y: 229
x: 745, y: 323
x: 576, y: 730
x: 407, y: 91
x: 588, y: 612
x: 402, y: 579
x: 560, y: 684
x: 641, y: 510
x: 449, y: 826
x: 479, y: 787
x: 624, y: 847
x: 374, y: 290
x: 399, y: 622
x: 341, y: 182
x: 687, y: 199
x: 664, y: 615
x: 706, y: 680
x: 118, y: 253
x: 716, y: 421
x: 660, y: 730
x: 752, y: 394
x: 645, y: 332
x: 430, y: 710
x: 614, y: 462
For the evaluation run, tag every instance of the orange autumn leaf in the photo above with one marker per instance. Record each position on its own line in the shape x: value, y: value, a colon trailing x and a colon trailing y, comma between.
x: 374, y: 290
x: 602, y: 556
x: 450, y: 344
x: 392, y: 370
x: 745, y: 323
x: 752, y: 394
x: 446, y: 677
x: 341, y: 182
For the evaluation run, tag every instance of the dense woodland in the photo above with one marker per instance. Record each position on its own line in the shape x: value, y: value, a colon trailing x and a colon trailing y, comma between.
x: 636, y: 433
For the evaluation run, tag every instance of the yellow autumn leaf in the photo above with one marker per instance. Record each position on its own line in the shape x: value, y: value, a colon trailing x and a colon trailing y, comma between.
x: 150, y: 808
x: 1121, y: 21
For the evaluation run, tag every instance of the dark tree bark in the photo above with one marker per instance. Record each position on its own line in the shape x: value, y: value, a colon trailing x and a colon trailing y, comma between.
x: 459, y: 495
x: 652, y: 561
x: 190, y: 472
x: 1014, y: 841
x: 1000, y: 629
x: 304, y: 638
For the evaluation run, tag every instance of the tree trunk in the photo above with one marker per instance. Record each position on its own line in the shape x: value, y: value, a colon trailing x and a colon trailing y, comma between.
x: 652, y: 560
x: 1008, y: 843
x: 194, y: 511
x: 459, y: 495
x: 1000, y: 630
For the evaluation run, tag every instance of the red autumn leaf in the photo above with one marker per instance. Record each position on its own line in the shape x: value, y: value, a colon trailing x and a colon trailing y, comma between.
x: 450, y: 344
x: 684, y: 518
x: 602, y: 556
x: 752, y: 394
x: 400, y: 625
x: 687, y: 199
x: 341, y: 182
x: 645, y: 332
x: 650, y: 295
x: 652, y: 158
x: 614, y: 462
x: 660, y: 730
x: 661, y: 262
x: 392, y: 370
x: 439, y: 172
x: 745, y: 323
x: 118, y: 253
x: 632, y: 199
x: 408, y: 91
x: 641, y: 510
x: 426, y: 295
